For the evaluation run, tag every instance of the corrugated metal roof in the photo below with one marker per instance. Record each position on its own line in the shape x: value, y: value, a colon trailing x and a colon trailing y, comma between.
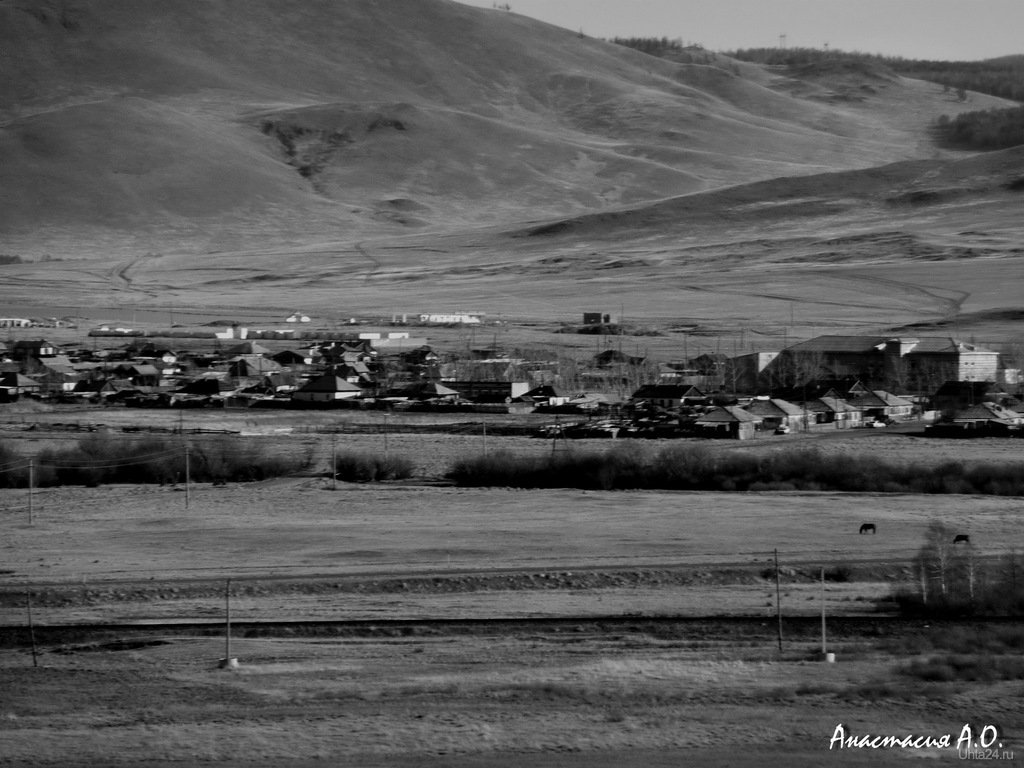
x: 986, y: 411
x: 838, y: 344
x: 879, y: 397
x: 774, y: 407
x: 869, y: 344
x: 727, y: 414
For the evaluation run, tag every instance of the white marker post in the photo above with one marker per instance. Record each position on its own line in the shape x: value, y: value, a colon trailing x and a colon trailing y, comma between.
x: 228, y: 662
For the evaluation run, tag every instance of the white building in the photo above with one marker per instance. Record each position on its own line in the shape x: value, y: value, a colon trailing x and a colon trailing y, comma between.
x: 15, y: 322
x: 458, y: 317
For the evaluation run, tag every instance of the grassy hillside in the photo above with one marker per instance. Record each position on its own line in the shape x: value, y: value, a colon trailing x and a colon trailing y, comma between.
x: 177, y: 126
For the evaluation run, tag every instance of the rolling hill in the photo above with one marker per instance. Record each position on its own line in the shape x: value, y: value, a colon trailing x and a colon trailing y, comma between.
x: 411, y: 153
x: 134, y: 126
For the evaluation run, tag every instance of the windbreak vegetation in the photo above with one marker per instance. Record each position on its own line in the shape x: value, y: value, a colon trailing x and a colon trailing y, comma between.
x: 365, y: 467
x: 987, y: 129
x: 699, y: 468
x: 103, y: 459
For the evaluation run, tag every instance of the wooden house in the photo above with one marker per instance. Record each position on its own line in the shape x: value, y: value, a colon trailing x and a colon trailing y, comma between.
x: 728, y: 421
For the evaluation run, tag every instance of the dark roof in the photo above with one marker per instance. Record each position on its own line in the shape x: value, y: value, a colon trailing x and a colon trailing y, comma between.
x: 987, y: 412
x: 830, y: 405
x: 290, y: 356
x: 727, y: 414
x: 879, y: 397
x: 966, y: 389
x: 248, y: 348
x: 543, y: 390
x: 329, y: 383
x: 205, y: 386
x: 870, y: 344
x: 838, y: 344
x: 428, y: 389
x: 17, y: 380
x: 774, y: 407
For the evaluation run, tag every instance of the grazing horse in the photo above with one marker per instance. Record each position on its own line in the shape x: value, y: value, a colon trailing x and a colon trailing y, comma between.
x: 868, y: 528
x: 962, y: 537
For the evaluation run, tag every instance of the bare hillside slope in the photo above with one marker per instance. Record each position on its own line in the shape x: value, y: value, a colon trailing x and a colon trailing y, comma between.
x: 184, y: 127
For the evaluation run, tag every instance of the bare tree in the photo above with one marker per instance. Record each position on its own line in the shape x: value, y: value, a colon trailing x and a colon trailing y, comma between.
x: 935, y: 562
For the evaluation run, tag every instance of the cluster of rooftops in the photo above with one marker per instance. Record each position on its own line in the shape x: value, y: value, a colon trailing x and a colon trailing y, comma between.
x: 351, y: 371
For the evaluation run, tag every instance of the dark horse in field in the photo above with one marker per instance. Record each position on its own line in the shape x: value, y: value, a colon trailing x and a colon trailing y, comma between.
x: 867, y: 528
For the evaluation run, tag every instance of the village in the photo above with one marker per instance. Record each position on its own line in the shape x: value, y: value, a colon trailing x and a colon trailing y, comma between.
x: 951, y: 387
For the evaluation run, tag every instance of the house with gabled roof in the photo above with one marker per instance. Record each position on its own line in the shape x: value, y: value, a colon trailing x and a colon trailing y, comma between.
x: 35, y: 348
x: 293, y: 359
x: 206, y: 385
x: 426, y: 390
x: 355, y: 373
x: 881, y: 405
x: 248, y: 348
x: 835, y: 411
x: 669, y: 395
x: 728, y: 421
x: 139, y: 374
x: 244, y: 366
x: 17, y: 384
x: 327, y: 388
x: 777, y: 413
x: 544, y: 394
x: 592, y: 402
x: 989, y: 412
x: 958, y: 395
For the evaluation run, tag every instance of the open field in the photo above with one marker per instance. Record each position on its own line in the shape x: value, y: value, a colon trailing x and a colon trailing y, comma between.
x: 296, y: 549
x: 631, y: 700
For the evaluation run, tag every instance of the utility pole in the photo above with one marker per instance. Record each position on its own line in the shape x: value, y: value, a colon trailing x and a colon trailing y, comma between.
x: 484, y: 425
x: 227, y: 662
x: 823, y: 648
x: 778, y: 597
x: 31, y: 630
x: 334, y: 462
x: 188, y: 473
x: 31, y: 491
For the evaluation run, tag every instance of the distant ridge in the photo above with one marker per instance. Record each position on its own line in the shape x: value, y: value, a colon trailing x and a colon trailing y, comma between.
x: 128, y: 126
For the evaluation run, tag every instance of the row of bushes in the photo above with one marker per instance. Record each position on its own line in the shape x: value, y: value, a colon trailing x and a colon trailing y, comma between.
x: 700, y: 468
x: 103, y: 459
x: 100, y: 459
x: 362, y: 467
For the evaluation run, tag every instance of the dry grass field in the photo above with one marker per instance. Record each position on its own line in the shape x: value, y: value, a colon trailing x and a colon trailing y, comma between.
x: 299, y: 549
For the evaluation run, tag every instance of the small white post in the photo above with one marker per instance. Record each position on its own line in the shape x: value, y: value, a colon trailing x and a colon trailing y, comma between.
x: 228, y: 662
